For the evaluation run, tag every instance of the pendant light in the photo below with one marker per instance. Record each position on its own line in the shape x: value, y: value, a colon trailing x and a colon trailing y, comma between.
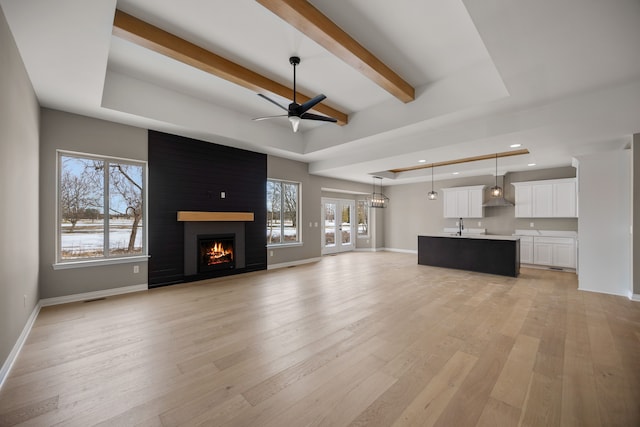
x: 377, y: 200
x: 496, y: 191
x: 432, y: 195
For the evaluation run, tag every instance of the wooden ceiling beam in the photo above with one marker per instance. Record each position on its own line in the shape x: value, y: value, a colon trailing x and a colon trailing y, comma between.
x: 310, y: 21
x: 462, y: 160
x: 146, y: 35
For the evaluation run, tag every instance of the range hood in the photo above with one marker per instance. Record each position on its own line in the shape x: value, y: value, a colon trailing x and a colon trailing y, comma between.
x: 496, y: 202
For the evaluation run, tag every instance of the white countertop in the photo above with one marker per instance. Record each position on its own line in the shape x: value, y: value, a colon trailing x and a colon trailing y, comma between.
x: 545, y: 233
x: 474, y: 236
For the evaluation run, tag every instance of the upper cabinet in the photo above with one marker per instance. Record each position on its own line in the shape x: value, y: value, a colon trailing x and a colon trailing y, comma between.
x: 554, y: 198
x: 464, y: 202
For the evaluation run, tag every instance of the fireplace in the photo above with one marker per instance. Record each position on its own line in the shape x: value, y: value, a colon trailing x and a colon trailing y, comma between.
x: 194, y: 231
x: 216, y: 252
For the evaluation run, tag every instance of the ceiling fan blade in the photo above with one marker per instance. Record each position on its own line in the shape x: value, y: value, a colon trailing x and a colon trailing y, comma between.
x: 257, y: 119
x: 273, y: 102
x: 311, y: 116
x: 310, y: 104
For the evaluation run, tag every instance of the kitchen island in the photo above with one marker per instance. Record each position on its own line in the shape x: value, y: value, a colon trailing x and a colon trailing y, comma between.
x: 482, y: 253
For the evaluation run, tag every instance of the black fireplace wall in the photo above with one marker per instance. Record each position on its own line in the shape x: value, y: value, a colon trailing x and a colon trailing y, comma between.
x: 190, y: 175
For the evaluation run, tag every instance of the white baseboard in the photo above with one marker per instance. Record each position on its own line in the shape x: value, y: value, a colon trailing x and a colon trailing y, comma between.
x: 8, y: 364
x: 293, y: 263
x: 634, y: 297
x: 402, y: 251
x: 93, y: 295
x: 6, y: 367
x: 598, y: 291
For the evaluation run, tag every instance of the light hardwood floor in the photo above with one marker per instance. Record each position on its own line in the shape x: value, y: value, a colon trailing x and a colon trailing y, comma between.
x: 361, y: 339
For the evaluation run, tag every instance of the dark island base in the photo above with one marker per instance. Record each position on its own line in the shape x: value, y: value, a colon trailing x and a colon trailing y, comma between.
x: 482, y: 255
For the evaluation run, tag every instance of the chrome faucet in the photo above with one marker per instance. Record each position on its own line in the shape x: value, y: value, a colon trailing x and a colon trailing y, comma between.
x: 460, y: 227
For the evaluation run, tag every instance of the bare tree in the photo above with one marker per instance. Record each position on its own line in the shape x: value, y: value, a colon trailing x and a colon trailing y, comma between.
x: 291, y: 203
x: 123, y: 182
x: 274, y: 195
x: 77, y: 194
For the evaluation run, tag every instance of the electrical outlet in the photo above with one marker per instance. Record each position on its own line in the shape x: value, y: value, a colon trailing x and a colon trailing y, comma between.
x: 270, y: 253
x: 136, y: 269
x: 531, y: 224
x: 479, y: 223
x: 223, y: 194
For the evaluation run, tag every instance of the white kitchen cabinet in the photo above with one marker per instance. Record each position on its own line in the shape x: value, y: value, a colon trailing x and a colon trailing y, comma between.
x: 546, y: 199
x: 542, y: 253
x: 526, y: 249
x: 564, y: 199
x: 476, y: 200
x: 548, y: 250
x: 542, y: 195
x: 524, y: 201
x: 564, y: 253
x: 464, y: 202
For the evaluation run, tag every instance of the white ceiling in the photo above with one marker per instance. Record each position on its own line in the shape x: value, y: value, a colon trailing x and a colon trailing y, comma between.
x: 560, y: 78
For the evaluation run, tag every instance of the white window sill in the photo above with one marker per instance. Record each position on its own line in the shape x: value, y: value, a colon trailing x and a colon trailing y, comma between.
x: 284, y: 245
x: 99, y: 262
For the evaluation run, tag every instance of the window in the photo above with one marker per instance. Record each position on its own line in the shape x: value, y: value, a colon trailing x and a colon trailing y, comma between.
x: 363, y: 218
x: 283, y: 214
x: 100, y: 207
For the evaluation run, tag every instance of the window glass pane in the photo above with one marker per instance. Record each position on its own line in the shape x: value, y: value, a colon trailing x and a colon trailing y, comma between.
x: 330, y: 224
x: 274, y: 197
x: 290, y: 212
x: 345, y: 226
x: 81, y: 208
x: 363, y: 218
x: 125, y: 209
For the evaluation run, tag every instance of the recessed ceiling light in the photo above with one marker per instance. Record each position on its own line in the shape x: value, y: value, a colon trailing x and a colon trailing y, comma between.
x: 515, y: 145
x: 422, y: 161
x: 456, y: 173
x: 531, y: 164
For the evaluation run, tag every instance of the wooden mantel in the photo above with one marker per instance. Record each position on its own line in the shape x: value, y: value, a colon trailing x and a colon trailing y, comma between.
x: 214, y: 216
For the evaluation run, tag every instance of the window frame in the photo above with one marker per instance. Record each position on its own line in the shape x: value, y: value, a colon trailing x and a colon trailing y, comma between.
x: 105, y: 259
x: 298, y: 241
x: 367, y: 208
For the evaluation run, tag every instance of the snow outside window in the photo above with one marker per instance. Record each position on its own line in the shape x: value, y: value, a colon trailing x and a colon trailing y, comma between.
x: 283, y: 200
x: 101, y: 209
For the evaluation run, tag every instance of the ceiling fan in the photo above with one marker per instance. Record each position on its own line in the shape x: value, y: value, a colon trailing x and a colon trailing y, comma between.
x: 296, y: 111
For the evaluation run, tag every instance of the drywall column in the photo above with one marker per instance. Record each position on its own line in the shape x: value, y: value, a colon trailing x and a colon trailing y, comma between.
x: 604, y: 253
x: 635, y: 250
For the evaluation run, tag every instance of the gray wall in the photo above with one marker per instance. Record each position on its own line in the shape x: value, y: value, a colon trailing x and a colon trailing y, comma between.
x: 19, y: 127
x: 410, y: 213
x: 278, y: 168
x: 312, y: 193
x: 71, y: 132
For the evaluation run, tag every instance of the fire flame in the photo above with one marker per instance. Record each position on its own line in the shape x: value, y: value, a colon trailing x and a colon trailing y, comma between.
x: 218, y: 254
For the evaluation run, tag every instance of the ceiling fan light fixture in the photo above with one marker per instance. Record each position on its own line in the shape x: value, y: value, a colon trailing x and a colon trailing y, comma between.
x: 295, y: 122
x: 297, y: 112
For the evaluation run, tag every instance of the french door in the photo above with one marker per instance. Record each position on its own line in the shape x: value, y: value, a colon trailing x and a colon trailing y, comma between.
x: 338, y: 225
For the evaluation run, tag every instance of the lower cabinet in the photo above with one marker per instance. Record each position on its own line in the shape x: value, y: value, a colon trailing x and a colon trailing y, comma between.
x: 550, y: 251
x: 526, y: 249
x: 543, y: 253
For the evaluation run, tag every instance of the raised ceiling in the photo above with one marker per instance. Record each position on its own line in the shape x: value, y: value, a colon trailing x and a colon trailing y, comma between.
x: 560, y: 78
